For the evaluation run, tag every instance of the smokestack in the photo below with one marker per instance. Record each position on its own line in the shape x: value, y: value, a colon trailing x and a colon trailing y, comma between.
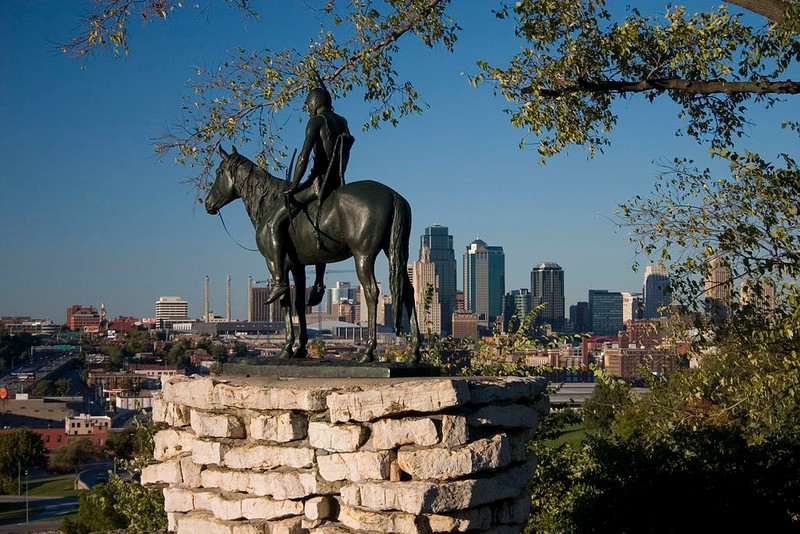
x: 249, y: 299
x: 205, y: 315
x: 228, y: 299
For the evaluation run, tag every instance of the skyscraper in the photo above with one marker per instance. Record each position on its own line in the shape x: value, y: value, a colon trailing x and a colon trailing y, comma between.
x: 424, y: 278
x: 547, y: 288
x: 605, y: 312
x: 517, y: 303
x: 718, y: 288
x: 656, y: 291
x: 484, y: 281
x: 443, y: 256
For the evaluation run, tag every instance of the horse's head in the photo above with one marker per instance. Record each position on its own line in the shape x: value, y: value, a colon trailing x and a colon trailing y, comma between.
x: 224, y: 190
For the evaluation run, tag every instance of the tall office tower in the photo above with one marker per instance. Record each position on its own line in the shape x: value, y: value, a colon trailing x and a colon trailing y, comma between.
x: 172, y: 308
x: 547, y: 288
x: 424, y: 279
x: 656, y: 291
x: 484, y: 281
x: 579, y: 317
x: 516, y: 304
x: 363, y: 310
x: 760, y: 294
x: 258, y: 310
x: 605, y: 312
x: 718, y: 288
x: 440, y: 246
x: 339, y: 293
x: 632, y: 306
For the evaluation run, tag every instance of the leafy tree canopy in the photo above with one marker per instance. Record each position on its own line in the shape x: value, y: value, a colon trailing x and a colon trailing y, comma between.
x: 576, y: 60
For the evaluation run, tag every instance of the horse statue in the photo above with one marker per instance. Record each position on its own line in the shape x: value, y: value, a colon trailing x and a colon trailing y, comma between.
x: 358, y: 220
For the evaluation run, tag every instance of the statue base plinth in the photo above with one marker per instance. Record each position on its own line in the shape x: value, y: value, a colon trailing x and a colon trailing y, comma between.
x: 316, y: 368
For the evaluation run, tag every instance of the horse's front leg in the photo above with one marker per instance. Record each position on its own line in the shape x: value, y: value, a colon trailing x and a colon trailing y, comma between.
x: 299, y: 275
x: 286, y: 310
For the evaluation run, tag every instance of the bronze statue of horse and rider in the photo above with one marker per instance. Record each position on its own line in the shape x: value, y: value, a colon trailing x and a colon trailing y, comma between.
x: 360, y: 219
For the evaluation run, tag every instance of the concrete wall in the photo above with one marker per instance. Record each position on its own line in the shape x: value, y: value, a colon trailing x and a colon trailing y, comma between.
x: 339, y: 456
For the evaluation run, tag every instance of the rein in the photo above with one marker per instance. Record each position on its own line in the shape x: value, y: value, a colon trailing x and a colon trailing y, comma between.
x: 229, y: 234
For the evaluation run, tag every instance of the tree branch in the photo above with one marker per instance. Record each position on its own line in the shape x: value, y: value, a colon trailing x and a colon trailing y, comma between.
x: 705, y: 87
x: 387, y: 39
x: 773, y: 10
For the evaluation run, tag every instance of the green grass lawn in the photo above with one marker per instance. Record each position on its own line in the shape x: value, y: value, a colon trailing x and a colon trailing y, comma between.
x: 572, y: 435
x: 55, y: 486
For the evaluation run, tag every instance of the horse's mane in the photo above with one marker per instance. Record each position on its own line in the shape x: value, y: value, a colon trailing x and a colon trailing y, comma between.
x: 257, y: 187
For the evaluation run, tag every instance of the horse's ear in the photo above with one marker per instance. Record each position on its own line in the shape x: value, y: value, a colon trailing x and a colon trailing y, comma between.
x: 234, y: 150
x: 224, y: 154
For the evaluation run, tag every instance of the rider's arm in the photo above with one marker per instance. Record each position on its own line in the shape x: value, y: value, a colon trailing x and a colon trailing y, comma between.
x: 312, y: 131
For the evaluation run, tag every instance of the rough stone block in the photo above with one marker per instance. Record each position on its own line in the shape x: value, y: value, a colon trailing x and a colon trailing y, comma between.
x: 437, y: 497
x: 337, y: 438
x: 262, y: 397
x: 292, y: 525
x: 175, y: 415
x: 208, y: 452
x: 455, y: 431
x: 416, y: 396
x: 170, y: 443
x: 474, y: 520
x: 217, y: 425
x: 388, y: 522
x: 226, y: 508
x: 514, y: 511
x: 195, y: 392
x: 270, y: 509
x: 286, y: 485
x: 190, y: 472
x: 178, y: 500
x: 204, y: 522
x: 329, y: 528
x: 225, y: 480
x: 491, y: 390
x: 282, y: 428
x: 389, y: 433
x: 168, y: 472
x: 268, y: 457
x: 172, y: 521
x: 447, y: 464
x: 318, y: 507
x: 511, y: 416
x: 355, y: 466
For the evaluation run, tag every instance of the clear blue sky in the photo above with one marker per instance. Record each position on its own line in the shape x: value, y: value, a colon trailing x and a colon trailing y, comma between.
x: 89, y: 214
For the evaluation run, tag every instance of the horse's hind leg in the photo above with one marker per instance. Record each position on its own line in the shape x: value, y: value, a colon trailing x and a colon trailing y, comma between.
x: 365, y: 269
x: 411, y: 309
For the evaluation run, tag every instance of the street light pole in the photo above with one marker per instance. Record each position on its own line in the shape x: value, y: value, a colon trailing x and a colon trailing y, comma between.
x: 26, y: 496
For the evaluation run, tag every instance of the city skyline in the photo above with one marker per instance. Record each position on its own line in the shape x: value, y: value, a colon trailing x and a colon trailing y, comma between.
x: 91, y: 215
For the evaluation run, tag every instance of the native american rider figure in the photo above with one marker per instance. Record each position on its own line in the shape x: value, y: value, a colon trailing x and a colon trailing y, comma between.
x: 328, y: 136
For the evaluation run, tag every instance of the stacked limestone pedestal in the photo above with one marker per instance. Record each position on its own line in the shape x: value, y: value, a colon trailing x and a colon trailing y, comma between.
x: 337, y: 456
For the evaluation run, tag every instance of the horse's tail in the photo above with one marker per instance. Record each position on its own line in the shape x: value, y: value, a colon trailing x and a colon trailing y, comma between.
x: 398, y: 260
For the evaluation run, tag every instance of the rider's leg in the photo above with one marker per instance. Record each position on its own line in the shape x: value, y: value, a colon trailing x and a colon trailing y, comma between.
x: 318, y: 289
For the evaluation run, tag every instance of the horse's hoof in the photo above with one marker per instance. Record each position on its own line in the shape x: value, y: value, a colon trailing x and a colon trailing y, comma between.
x: 300, y: 353
x: 286, y: 353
